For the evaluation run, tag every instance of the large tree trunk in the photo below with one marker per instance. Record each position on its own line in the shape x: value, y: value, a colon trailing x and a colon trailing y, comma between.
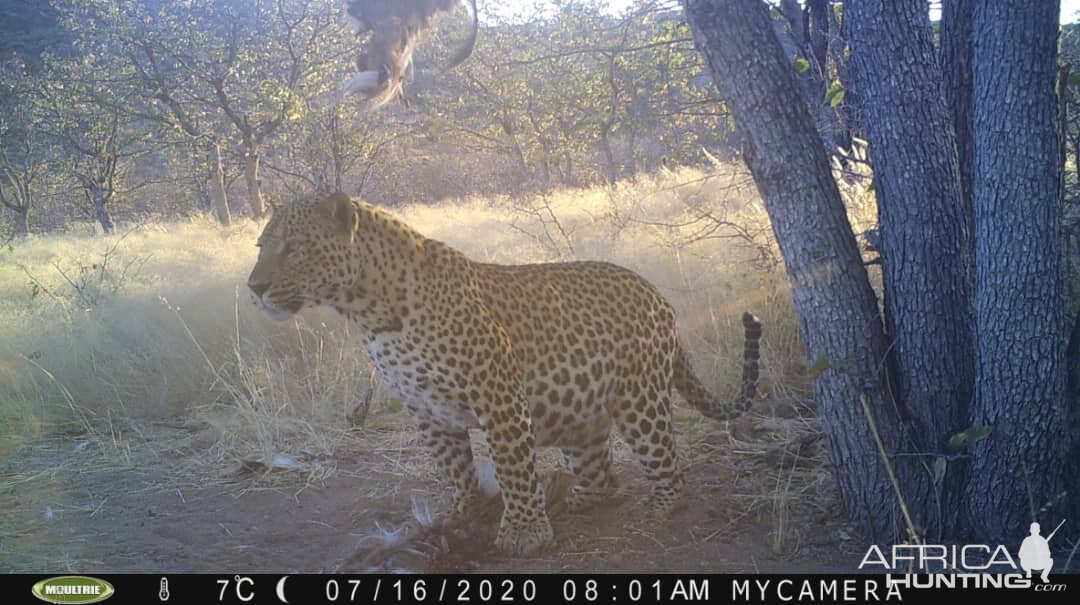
x: 838, y: 312
x: 251, y: 177
x: 1020, y: 331
x: 926, y: 241
x: 217, y: 187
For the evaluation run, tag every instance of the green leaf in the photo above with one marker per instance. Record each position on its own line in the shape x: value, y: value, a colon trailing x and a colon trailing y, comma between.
x: 1074, y: 78
x: 802, y: 65
x: 835, y: 95
x: 969, y: 436
x: 819, y: 366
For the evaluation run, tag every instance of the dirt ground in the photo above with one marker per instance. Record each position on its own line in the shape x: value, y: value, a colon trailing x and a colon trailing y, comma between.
x: 759, y: 499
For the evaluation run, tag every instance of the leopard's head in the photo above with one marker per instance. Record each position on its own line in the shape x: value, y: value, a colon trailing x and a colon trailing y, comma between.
x: 305, y: 256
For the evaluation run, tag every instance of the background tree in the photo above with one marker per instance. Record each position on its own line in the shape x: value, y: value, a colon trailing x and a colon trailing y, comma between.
x: 83, y: 109
x: 204, y: 64
x: 24, y: 151
x: 580, y: 95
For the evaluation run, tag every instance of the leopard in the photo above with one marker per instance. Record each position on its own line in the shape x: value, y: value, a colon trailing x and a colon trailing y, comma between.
x: 533, y: 355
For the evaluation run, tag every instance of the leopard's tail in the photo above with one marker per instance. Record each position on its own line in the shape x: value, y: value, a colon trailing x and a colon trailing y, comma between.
x: 695, y: 393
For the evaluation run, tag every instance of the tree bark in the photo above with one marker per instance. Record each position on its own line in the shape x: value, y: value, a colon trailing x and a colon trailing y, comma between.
x: 1020, y: 470
x: 838, y: 312
x: 926, y: 240
x: 957, y: 77
x: 819, y: 31
x: 217, y: 187
x: 1061, y: 92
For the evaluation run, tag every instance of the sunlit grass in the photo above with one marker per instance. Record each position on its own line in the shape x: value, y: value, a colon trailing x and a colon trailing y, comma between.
x: 155, y: 322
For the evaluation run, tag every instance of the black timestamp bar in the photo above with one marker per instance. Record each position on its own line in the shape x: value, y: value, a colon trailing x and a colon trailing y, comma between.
x: 614, y: 589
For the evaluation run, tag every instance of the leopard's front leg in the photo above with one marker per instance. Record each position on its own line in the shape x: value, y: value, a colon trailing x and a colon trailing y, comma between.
x: 503, y: 414
x: 453, y: 453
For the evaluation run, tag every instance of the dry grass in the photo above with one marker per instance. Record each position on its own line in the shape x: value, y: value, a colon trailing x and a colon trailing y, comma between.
x: 100, y: 337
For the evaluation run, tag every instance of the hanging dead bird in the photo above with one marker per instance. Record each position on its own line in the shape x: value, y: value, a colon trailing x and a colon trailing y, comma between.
x: 396, y: 27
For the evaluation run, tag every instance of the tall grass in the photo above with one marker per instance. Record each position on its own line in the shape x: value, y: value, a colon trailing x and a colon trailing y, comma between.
x: 156, y: 323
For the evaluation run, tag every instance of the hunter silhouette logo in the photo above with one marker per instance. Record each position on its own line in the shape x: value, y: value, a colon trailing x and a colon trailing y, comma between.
x: 1035, y: 552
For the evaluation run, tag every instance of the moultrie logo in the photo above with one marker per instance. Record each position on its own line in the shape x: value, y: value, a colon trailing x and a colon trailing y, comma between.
x: 72, y: 589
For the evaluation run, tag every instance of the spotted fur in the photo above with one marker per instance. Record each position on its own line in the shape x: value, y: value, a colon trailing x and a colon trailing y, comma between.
x: 534, y: 355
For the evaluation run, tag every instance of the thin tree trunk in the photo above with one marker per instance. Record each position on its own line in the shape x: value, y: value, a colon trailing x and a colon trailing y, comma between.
x: 611, y: 169
x: 338, y: 153
x: 838, y: 313
x: 254, y: 185
x: 203, y: 199
x: 1018, y: 474
x: 926, y: 240
x: 101, y: 209
x: 337, y: 150
x: 21, y: 221
x: 339, y: 175
x: 217, y: 187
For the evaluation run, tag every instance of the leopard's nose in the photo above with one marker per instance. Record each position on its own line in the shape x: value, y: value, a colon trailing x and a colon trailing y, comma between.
x: 258, y: 287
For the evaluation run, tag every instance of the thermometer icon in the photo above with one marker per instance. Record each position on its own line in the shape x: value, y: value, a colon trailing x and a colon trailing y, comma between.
x: 163, y: 594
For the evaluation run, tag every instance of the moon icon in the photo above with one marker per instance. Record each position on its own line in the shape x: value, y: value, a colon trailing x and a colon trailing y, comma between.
x: 281, y: 589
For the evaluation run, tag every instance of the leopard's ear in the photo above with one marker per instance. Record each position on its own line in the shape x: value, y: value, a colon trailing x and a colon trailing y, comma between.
x: 344, y: 213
